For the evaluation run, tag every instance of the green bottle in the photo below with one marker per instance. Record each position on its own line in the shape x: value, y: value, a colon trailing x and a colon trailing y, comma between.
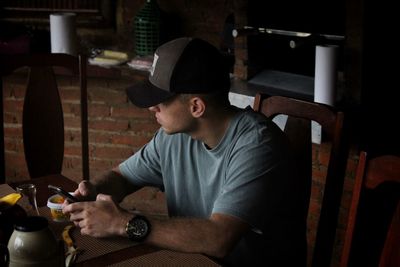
x: 147, y: 28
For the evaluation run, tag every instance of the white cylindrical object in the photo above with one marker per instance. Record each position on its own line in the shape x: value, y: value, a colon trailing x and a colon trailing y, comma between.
x: 63, y: 33
x: 325, y: 74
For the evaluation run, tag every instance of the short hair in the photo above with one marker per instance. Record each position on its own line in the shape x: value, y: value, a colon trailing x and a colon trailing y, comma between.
x: 214, y: 99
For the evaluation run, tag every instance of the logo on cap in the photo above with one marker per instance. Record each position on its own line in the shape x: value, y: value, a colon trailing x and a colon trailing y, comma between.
x: 153, y: 66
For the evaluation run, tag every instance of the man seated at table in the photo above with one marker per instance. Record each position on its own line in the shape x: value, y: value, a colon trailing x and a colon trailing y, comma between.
x: 226, y: 172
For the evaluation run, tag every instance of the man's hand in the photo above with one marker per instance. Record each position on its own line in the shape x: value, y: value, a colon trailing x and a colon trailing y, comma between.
x: 86, y: 191
x: 100, y: 218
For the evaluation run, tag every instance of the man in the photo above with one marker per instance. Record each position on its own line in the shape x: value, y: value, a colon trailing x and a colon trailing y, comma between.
x: 226, y: 172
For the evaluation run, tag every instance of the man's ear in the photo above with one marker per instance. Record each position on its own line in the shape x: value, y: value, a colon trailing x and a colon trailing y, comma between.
x: 197, y: 107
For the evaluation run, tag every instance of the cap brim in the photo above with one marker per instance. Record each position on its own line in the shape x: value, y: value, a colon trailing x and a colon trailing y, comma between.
x: 145, y: 94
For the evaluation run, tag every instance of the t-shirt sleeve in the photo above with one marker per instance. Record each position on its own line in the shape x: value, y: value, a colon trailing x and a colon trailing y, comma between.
x: 143, y: 168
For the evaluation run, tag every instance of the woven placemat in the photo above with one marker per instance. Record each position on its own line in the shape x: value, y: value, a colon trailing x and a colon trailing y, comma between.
x: 168, y: 258
x: 91, y: 247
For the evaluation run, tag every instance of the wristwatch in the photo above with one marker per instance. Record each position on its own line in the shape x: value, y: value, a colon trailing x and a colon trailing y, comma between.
x: 138, y: 228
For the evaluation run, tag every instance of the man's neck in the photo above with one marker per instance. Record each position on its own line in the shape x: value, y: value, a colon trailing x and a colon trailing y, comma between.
x: 213, y: 127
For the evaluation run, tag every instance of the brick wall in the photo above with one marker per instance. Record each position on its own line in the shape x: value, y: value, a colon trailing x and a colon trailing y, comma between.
x: 117, y: 129
x: 204, y: 19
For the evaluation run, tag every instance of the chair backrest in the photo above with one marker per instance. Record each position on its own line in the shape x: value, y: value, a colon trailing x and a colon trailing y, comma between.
x: 298, y: 129
x: 372, y: 236
x: 43, y: 119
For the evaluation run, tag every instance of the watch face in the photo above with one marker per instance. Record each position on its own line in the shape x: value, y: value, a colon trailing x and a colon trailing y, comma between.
x: 138, y: 228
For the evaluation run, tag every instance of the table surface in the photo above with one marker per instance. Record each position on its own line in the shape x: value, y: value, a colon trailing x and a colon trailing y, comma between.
x: 120, y: 256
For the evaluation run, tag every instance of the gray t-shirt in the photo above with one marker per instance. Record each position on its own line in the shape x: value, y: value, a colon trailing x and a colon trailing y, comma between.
x: 245, y: 175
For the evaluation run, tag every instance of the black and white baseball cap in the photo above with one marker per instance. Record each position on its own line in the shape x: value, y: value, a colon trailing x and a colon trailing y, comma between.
x: 182, y: 66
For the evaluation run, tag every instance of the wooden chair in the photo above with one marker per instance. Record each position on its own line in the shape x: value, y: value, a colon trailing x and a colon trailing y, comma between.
x: 372, y: 236
x: 43, y: 120
x: 298, y: 129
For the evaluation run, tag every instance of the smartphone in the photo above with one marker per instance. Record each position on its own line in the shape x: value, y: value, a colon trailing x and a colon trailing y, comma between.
x: 62, y: 192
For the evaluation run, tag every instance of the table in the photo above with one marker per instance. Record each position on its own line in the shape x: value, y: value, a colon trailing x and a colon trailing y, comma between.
x: 129, y: 254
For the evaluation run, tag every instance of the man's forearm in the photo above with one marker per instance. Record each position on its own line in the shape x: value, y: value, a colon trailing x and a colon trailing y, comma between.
x: 207, y: 236
x: 114, y: 184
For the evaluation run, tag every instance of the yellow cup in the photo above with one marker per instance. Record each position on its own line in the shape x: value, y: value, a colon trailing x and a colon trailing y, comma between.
x: 55, y: 204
